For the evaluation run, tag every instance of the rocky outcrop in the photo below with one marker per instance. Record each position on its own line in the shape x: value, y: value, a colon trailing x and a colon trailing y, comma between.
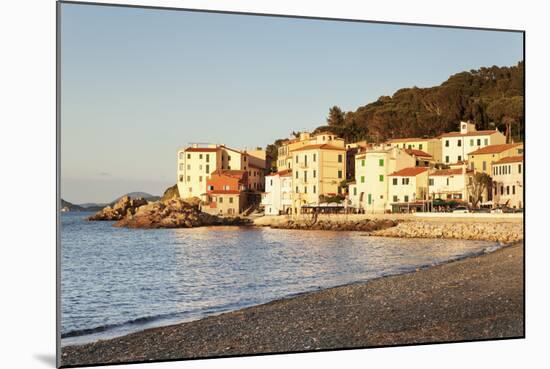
x: 170, y: 193
x: 499, y: 232
x: 123, y: 207
x: 174, y: 213
x: 365, y: 225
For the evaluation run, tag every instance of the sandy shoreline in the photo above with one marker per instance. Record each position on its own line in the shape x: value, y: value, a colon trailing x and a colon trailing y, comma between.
x: 475, y: 298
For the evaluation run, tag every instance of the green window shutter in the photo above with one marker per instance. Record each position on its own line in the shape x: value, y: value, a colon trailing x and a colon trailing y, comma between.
x: 370, y: 199
x: 362, y: 179
x: 381, y: 162
x: 381, y: 177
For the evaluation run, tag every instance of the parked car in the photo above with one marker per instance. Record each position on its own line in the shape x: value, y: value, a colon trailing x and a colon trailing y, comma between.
x: 461, y: 209
x: 481, y: 210
x: 496, y: 211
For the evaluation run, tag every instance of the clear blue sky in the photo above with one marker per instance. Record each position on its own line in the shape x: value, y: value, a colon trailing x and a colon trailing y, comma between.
x: 137, y: 84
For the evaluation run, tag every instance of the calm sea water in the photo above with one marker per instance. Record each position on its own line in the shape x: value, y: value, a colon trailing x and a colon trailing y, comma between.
x: 115, y: 281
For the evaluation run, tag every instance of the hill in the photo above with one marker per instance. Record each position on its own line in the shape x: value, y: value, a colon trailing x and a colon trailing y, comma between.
x: 490, y: 97
x: 67, y: 206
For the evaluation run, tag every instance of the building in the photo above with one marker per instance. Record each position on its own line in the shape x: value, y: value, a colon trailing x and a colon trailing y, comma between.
x: 450, y: 184
x: 408, y: 189
x: 507, y: 174
x: 481, y: 160
x: 369, y: 193
x: 277, y: 198
x: 455, y: 146
x: 225, y: 192
x: 196, y: 163
x: 317, y: 173
x: 353, y: 149
x: 421, y: 158
x: 284, y: 153
x: 431, y: 146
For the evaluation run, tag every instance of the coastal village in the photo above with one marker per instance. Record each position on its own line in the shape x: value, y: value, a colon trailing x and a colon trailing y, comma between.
x: 462, y: 171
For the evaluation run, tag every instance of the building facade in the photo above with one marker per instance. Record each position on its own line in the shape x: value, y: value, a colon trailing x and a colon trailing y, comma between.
x: 481, y: 160
x: 431, y: 146
x: 277, y: 198
x: 507, y: 174
x: 455, y: 146
x: 408, y: 185
x: 225, y: 193
x: 450, y: 184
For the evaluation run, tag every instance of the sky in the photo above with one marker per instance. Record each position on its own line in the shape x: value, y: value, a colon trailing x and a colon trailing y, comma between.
x: 138, y: 84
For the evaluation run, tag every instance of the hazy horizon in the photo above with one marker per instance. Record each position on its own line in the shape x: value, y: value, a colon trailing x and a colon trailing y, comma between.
x: 137, y: 84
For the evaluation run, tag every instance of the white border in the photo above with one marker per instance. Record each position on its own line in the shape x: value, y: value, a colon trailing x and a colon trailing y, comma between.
x: 27, y: 182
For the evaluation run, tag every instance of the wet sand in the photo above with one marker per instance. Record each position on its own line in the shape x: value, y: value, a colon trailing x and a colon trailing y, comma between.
x: 471, y: 299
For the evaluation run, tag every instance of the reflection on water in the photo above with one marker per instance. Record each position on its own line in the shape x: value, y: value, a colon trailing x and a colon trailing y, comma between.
x: 115, y: 281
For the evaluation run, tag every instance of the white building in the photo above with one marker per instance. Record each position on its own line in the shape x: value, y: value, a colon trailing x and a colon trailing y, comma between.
x: 369, y: 193
x: 455, y: 146
x: 408, y: 185
x: 277, y: 198
x: 450, y: 184
x: 507, y: 176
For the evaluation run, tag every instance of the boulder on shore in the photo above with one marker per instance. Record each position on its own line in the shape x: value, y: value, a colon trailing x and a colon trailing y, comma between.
x: 123, y: 207
x: 173, y: 213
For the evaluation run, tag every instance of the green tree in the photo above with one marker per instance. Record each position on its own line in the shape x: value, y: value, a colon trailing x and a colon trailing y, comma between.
x: 335, y: 117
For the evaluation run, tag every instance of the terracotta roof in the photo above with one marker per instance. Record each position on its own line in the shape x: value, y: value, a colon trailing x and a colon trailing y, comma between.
x: 202, y: 149
x: 284, y: 173
x: 412, y: 139
x: 224, y: 192
x: 230, y: 173
x: 494, y: 149
x: 408, y: 172
x: 321, y: 147
x: 255, y: 166
x: 510, y: 159
x: 418, y: 153
x: 475, y: 133
x: 230, y: 149
x: 446, y: 172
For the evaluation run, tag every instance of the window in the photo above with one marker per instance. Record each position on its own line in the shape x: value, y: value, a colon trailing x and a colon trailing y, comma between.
x: 200, y: 166
x: 297, y: 190
x: 380, y: 162
x: 502, y: 190
x: 446, y: 143
x: 296, y: 174
x: 431, y: 182
x: 339, y: 174
x: 314, y: 158
x: 446, y: 159
x: 314, y: 189
x: 305, y: 175
x: 419, y: 146
x: 479, y: 142
x: 305, y: 159
x: 471, y: 142
x: 181, y: 166
x: 459, y: 143
x: 369, y: 199
x: 459, y: 157
x: 296, y: 159
x: 406, y: 198
x: 229, y: 167
x: 381, y: 178
x: 363, y: 162
x: 188, y: 156
x: 231, y: 200
x: 200, y: 178
x: 314, y: 173
x: 207, y: 168
x: 305, y: 189
x: 228, y: 157
x: 395, y: 198
x: 181, y: 178
x: 405, y: 181
x: 484, y: 165
x: 486, y: 141
x: 472, y: 165
x: 220, y: 199
x: 354, y: 191
x: 447, y: 181
x: 362, y: 179
x: 271, y: 182
x: 188, y: 166
x: 519, y: 168
x: 208, y: 158
x: 190, y: 189
x: 339, y: 158
x: 181, y: 155
x: 507, y: 190
x: 200, y: 156
x: 394, y: 181
x: 244, y: 158
x: 189, y: 180
x: 410, y: 147
x: 513, y: 190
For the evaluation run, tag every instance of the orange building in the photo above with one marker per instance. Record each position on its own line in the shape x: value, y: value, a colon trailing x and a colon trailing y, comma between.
x: 225, y: 192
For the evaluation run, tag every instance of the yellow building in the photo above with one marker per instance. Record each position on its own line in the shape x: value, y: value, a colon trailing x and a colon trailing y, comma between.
x: 430, y: 146
x: 481, y: 160
x: 317, y: 171
x: 284, y: 155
